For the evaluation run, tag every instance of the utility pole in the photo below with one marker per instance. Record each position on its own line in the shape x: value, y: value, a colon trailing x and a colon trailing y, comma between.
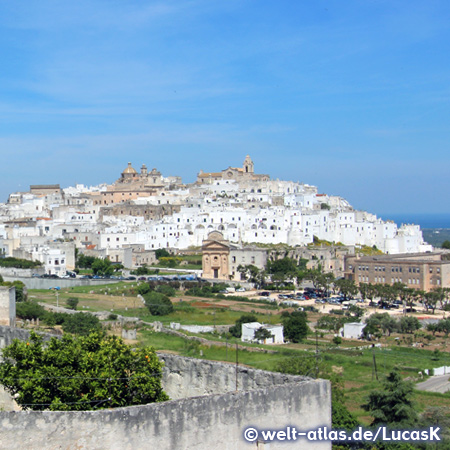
x: 374, y: 363
x: 237, y: 365
x: 317, y: 355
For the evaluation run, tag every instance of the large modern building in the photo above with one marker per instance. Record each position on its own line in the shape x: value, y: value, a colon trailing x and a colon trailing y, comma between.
x: 422, y: 271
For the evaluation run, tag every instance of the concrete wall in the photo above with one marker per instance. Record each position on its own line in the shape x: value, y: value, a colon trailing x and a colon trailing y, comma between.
x: 47, y: 283
x: 7, y: 305
x: 215, y: 418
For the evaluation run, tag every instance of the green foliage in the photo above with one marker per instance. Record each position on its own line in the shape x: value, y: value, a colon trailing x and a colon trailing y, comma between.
x: 337, y: 340
x: 446, y: 244
x: 102, y: 267
x: 85, y: 262
x: 143, y: 288
x: 77, y: 374
x: 30, y: 310
x: 19, y: 263
x: 331, y: 323
x: 409, y: 324
x: 169, y: 261
x: 81, y: 323
x: 142, y: 270
x: 295, y: 326
x: 380, y: 323
x: 393, y: 405
x: 72, y: 303
x: 166, y: 289
x: 236, y: 329
x: 261, y: 334
x: 158, y: 304
x: 21, y: 295
x: 306, y: 365
x: 286, y: 266
x: 161, y: 252
x: 346, y: 287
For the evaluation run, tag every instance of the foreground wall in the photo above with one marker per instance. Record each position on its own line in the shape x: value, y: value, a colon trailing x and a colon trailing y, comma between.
x: 264, y: 400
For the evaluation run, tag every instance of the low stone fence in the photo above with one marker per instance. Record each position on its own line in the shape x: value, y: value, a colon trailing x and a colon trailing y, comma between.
x: 226, y: 401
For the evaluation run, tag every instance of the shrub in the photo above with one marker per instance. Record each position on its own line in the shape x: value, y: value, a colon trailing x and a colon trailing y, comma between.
x: 158, y: 304
x: 72, y: 303
x: 30, y: 310
x: 81, y: 323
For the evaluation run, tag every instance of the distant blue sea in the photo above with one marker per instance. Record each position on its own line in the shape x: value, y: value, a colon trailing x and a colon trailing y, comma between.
x: 424, y: 220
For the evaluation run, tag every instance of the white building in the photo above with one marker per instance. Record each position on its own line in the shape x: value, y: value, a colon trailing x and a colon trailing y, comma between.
x: 353, y: 330
x: 248, y: 333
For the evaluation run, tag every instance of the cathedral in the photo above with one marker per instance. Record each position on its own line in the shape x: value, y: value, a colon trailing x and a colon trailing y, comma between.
x: 244, y: 173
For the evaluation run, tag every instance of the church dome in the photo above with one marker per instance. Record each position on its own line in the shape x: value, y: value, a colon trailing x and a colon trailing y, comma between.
x: 129, y: 170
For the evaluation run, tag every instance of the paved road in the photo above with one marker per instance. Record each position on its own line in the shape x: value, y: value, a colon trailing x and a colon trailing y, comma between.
x: 438, y: 383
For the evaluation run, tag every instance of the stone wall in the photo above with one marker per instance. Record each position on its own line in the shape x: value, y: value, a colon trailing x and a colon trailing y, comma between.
x: 215, y: 418
x: 8, y: 305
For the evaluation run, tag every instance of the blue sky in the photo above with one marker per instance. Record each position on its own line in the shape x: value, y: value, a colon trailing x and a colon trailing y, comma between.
x: 351, y: 96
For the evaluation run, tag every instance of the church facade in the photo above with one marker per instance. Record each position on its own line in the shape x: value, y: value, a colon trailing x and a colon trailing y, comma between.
x: 244, y: 173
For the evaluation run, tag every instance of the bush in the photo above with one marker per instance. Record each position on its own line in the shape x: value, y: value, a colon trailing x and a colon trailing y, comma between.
x: 166, y: 289
x: 81, y: 323
x: 72, y: 303
x: 158, y: 304
x: 19, y: 263
x: 30, y: 310
x: 80, y: 373
x: 236, y: 329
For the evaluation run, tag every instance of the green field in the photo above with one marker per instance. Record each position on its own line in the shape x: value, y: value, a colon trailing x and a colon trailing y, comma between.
x: 354, y: 365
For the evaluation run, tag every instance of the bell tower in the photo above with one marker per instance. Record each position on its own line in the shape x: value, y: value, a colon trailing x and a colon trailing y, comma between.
x: 248, y: 165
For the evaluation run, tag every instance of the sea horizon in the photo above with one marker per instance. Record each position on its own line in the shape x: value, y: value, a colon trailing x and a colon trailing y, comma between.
x: 425, y: 220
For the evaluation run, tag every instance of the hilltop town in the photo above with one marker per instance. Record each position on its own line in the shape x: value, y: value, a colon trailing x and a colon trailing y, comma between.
x: 140, y: 212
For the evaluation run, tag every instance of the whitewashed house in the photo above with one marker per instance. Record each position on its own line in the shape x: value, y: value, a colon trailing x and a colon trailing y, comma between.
x: 249, y: 329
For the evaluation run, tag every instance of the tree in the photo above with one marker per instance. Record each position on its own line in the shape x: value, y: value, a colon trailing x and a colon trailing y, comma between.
x: 446, y: 244
x: 80, y: 373
x: 158, y: 304
x: 30, y: 310
x: 81, y: 323
x: 161, y: 252
x: 346, y: 287
x: 393, y: 405
x: 261, y: 334
x: 249, y: 272
x: 295, y: 326
x: 102, y: 267
x: 286, y: 266
x: 409, y: 324
x: 331, y: 323
x: 21, y: 290
x: 85, y: 262
x: 236, y: 329
x: 72, y: 303
x: 381, y: 322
